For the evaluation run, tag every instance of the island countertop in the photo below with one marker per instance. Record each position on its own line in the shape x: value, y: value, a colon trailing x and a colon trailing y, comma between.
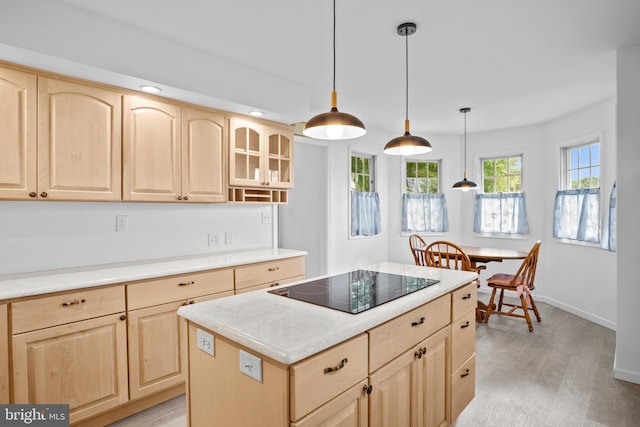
x: 288, y: 330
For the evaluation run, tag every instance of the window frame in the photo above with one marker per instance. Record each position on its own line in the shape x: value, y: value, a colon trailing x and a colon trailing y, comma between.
x: 478, y: 158
x: 373, y: 185
x: 562, y: 180
x: 412, y: 160
x: 403, y: 185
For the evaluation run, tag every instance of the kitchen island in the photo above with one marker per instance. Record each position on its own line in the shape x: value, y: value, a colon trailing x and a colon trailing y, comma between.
x: 264, y: 359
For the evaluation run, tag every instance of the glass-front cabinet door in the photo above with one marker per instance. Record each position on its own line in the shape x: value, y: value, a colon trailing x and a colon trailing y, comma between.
x: 280, y: 158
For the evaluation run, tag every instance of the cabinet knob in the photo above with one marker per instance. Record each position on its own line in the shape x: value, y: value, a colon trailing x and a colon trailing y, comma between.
x: 186, y: 197
x: 192, y: 302
x: 418, y: 353
x: 123, y: 317
x: 367, y: 388
x: 33, y: 194
x: 43, y: 194
x: 179, y: 197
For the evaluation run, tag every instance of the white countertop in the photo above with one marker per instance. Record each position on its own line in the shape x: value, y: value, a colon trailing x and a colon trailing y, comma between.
x: 287, y: 330
x: 21, y: 285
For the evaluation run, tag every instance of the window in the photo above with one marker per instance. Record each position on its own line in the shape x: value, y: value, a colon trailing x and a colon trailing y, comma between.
x: 424, y: 208
x: 500, y: 208
x: 365, y: 202
x: 576, y: 213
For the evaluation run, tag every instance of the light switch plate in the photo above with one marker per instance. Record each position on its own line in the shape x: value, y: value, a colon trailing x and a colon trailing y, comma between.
x: 251, y: 365
x: 205, y: 341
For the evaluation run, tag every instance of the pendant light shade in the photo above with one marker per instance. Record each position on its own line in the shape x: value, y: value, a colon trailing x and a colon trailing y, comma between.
x: 407, y: 144
x: 465, y: 184
x: 334, y: 124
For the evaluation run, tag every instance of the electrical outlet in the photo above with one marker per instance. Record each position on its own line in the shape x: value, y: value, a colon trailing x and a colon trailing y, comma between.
x: 266, y: 218
x: 251, y: 365
x: 122, y: 223
x: 215, y: 238
x: 205, y: 341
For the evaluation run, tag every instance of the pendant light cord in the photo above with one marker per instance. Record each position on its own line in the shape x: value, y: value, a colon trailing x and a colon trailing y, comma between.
x: 406, y: 63
x: 465, y: 144
x: 334, y: 45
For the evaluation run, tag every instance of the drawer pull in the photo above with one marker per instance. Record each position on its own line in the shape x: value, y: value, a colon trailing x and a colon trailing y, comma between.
x: 367, y: 388
x: 467, y: 296
x: 465, y: 325
x: 465, y: 374
x: 275, y: 284
x: 273, y: 268
x: 336, y: 368
x: 419, y: 322
x: 75, y: 302
x: 186, y: 283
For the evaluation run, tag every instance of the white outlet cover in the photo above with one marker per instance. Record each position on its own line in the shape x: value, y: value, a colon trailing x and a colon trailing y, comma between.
x: 251, y: 365
x: 205, y: 341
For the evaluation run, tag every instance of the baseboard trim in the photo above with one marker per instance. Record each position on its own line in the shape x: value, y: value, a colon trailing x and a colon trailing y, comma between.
x: 623, y: 374
x: 568, y: 308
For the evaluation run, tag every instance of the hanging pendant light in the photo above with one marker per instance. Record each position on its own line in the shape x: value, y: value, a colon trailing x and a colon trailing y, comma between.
x: 465, y: 184
x: 334, y: 124
x: 407, y: 144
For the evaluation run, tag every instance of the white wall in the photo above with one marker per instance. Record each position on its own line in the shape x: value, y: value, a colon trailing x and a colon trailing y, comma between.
x: 37, y: 236
x: 627, y: 361
x: 303, y: 221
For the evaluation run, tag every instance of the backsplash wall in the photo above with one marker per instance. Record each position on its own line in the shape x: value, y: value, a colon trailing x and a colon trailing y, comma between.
x: 36, y: 236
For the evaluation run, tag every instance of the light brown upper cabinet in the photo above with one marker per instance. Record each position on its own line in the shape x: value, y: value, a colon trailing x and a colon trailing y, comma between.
x: 260, y: 155
x: 18, y: 109
x: 79, y: 141
x: 172, y: 153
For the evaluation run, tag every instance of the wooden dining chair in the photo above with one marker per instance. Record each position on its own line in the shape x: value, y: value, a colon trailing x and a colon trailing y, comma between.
x: 522, y: 283
x: 443, y: 254
x: 417, y: 245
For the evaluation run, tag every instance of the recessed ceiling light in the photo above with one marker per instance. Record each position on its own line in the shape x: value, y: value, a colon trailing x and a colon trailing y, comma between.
x: 256, y: 113
x: 150, y: 89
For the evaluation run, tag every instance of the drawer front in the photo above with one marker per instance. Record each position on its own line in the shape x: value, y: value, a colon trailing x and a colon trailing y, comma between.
x: 464, y: 299
x: 168, y: 289
x: 64, y: 308
x: 397, y: 335
x: 320, y: 378
x: 463, y: 339
x: 268, y: 272
x: 269, y: 285
x: 463, y: 387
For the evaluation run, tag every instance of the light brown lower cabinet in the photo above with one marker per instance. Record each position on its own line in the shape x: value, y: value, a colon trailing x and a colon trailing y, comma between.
x: 4, y: 355
x: 413, y: 389
x: 83, y: 364
x: 409, y: 383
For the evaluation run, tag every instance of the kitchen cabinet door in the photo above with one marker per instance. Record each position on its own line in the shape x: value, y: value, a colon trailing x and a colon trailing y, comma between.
x: 348, y: 409
x: 204, y: 156
x: 83, y: 364
x: 432, y: 374
x: 4, y: 355
x: 79, y: 142
x: 18, y: 151
x: 279, y: 157
x: 390, y: 401
x: 245, y: 153
x: 151, y: 150
x: 157, y: 344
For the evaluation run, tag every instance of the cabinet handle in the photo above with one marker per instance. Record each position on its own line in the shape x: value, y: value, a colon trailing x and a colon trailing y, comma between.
x: 465, y: 374
x: 33, y: 194
x: 275, y: 284
x: 43, y: 194
x: 273, y: 268
x: 192, y: 302
x: 467, y: 296
x: 418, y: 353
x: 179, y: 197
x: 74, y: 302
x: 336, y: 368
x: 367, y: 388
x: 465, y: 325
x: 187, y: 283
x: 419, y: 322
x: 123, y: 317
x: 186, y: 197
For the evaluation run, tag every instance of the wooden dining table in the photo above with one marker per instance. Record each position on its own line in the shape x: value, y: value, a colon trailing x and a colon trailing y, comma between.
x: 482, y: 255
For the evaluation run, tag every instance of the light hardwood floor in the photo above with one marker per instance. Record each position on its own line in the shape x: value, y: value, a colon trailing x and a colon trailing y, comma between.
x: 561, y: 374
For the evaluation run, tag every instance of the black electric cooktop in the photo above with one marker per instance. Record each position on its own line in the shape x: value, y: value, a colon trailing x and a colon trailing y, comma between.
x: 356, y: 291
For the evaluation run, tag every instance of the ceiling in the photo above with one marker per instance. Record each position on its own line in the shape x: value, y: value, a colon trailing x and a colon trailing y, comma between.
x: 514, y: 62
